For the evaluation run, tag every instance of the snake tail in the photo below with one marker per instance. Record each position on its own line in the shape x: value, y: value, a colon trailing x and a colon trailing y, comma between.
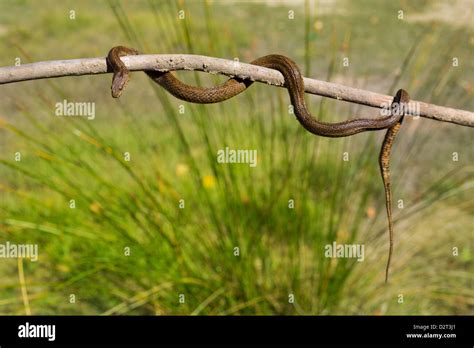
x: 399, y: 104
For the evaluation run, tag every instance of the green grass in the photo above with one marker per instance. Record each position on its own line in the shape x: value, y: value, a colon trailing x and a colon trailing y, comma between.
x: 135, y: 204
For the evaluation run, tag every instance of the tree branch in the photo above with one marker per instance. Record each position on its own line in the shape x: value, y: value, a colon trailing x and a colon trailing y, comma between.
x: 171, y: 62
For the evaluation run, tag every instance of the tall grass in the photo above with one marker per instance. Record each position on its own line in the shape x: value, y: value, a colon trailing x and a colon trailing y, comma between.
x: 128, y: 248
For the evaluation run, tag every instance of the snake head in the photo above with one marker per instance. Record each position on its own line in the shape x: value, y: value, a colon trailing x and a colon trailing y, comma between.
x: 119, y: 82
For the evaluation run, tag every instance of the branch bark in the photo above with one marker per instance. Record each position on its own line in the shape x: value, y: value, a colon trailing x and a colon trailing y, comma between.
x: 171, y: 62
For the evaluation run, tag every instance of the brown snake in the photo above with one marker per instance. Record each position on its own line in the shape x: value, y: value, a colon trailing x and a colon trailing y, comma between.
x: 295, y: 85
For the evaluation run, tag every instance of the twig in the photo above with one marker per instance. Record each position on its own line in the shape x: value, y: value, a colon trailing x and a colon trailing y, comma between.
x: 171, y: 62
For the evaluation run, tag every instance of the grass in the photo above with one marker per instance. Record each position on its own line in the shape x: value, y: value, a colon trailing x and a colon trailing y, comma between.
x: 127, y: 247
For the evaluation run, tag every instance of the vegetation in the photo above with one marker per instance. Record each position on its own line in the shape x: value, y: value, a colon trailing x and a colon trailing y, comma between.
x: 128, y: 248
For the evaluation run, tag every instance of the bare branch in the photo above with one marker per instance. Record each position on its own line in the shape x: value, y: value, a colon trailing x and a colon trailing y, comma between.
x: 171, y: 62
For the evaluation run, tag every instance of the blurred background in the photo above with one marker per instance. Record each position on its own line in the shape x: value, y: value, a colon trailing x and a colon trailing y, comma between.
x: 128, y: 248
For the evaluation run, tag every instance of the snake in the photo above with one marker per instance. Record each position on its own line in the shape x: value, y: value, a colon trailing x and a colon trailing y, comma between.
x: 233, y: 86
x: 294, y: 83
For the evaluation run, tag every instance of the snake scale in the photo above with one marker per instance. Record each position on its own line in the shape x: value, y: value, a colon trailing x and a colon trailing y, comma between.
x: 295, y: 86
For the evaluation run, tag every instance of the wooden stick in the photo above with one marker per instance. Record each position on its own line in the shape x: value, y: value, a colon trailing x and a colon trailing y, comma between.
x: 171, y: 62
